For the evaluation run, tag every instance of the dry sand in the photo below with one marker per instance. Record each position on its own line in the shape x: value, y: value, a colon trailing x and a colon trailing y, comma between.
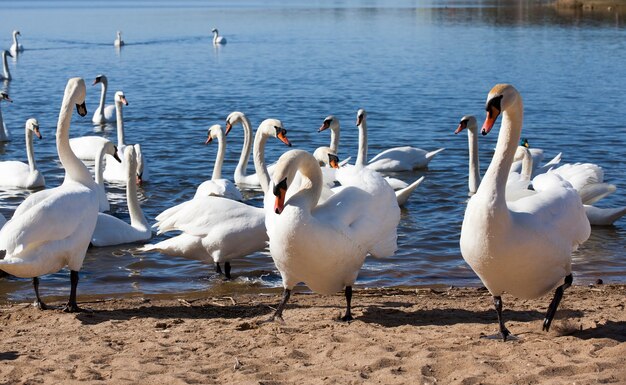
x: 399, y: 336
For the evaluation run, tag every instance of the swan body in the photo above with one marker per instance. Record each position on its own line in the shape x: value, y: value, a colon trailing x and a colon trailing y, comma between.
x: 112, y: 231
x: 523, y: 247
x: 325, y: 245
x: 52, y: 228
x: 104, y: 113
x: 118, y: 40
x: 16, y: 46
x: 217, y: 39
x: 242, y: 179
x: 21, y: 175
x: 6, y: 74
x: 87, y: 147
x: 218, y: 186
x: 107, y: 148
x: 404, y: 158
x: 5, y: 136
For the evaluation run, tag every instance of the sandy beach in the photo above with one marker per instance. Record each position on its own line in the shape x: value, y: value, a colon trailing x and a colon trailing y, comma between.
x: 399, y: 336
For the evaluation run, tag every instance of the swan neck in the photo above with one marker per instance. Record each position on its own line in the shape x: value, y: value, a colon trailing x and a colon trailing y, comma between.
x: 334, y: 140
x: 5, y: 67
x: 242, y: 165
x: 29, y: 151
x: 103, y: 92
x: 361, y: 158
x: 137, y: 218
x: 527, y: 165
x: 259, y: 159
x: 219, y: 159
x: 15, y: 40
x: 4, y: 134
x: 99, y: 167
x: 120, y: 124
x: 310, y: 188
x: 74, y: 168
x: 474, y: 165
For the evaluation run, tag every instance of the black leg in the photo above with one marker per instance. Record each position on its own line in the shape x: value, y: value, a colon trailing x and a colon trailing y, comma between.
x: 218, y: 268
x: 558, y: 294
x: 279, y: 311
x: 72, y: 306
x: 38, y: 302
x: 504, y: 332
x: 348, y: 316
x: 227, y: 270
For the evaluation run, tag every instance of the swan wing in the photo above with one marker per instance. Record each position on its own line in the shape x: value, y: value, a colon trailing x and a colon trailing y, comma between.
x: 220, y: 188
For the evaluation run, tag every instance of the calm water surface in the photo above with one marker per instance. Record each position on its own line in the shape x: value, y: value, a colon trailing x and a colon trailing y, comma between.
x: 416, y: 68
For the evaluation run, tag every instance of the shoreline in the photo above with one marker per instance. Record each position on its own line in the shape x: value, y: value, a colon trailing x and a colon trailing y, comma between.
x: 417, y: 335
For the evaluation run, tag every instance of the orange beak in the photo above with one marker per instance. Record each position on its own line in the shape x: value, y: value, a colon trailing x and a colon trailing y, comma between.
x: 283, y: 137
x: 359, y: 119
x: 492, y: 115
x: 208, y: 139
x: 37, y: 133
x: 324, y: 126
x: 123, y: 99
x: 279, y: 204
x: 228, y: 127
x: 461, y: 127
x: 333, y: 161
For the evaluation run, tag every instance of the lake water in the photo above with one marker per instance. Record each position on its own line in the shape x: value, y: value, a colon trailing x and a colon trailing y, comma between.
x: 416, y: 67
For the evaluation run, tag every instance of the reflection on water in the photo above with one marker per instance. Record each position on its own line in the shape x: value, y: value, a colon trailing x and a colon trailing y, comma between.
x: 416, y: 67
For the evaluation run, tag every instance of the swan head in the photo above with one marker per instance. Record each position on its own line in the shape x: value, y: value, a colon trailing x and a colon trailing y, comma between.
x: 501, y: 97
x: 325, y: 157
x: 33, y: 125
x: 287, y: 166
x: 101, y: 79
x: 274, y: 127
x: 119, y: 34
x: 360, y: 116
x: 232, y: 119
x: 5, y: 96
x: 77, y: 91
x: 120, y: 98
x: 140, y: 163
x: 214, y: 30
x: 215, y: 132
x: 6, y: 53
x: 329, y: 122
x: 111, y: 149
x: 469, y: 122
x: 130, y: 160
x: 17, y: 33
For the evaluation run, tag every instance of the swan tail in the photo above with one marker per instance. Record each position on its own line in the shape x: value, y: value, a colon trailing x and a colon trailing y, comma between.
x: 403, y: 195
x: 590, y: 194
x: 345, y: 161
x: 556, y: 160
x: 604, y: 217
x: 430, y: 155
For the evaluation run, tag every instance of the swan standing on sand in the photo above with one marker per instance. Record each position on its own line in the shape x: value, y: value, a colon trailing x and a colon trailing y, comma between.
x: 103, y: 114
x: 219, y: 229
x: 404, y: 158
x: 218, y: 186
x: 112, y: 231
x: 217, y: 39
x: 6, y: 74
x: 52, y: 228
x: 4, y: 132
x: 21, y: 175
x: 523, y: 247
x: 107, y: 148
x: 118, y: 40
x: 16, y: 46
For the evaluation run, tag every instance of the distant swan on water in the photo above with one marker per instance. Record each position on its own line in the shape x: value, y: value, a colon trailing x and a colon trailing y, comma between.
x: 16, y: 46
x: 118, y: 40
x: 21, y: 175
x: 217, y: 39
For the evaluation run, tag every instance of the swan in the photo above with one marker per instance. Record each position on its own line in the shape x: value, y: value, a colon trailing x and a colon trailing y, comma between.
x: 537, y: 158
x: 6, y: 74
x: 325, y: 245
x: 16, y: 47
x: 4, y: 132
x: 21, y: 175
x: 217, y: 39
x: 219, y: 229
x: 87, y: 147
x: 103, y: 114
x: 404, y: 158
x: 522, y: 247
x: 110, y: 149
x: 242, y: 179
x: 112, y: 231
x: 217, y: 186
x: 52, y: 228
x: 118, y: 40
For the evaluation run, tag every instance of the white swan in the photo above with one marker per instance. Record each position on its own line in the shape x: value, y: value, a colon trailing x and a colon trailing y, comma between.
x: 537, y: 158
x: 217, y: 39
x: 5, y: 136
x: 219, y: 229
x: 118, y: 39
x: 404, y: 158
x: 107, y: 148
x: 21, y: 175
x: 52, y: 228
x: 112, y: 231
x: 16, y: 46
x: 87, y: 147
x: 218, y: 186
x: 103, y: 114
x: 523, y: 247
x: 6, y: 74
x: 325, y: 245
x: 242, y: 179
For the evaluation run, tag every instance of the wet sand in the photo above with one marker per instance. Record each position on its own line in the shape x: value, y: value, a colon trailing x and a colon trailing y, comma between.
x: 399, y: 336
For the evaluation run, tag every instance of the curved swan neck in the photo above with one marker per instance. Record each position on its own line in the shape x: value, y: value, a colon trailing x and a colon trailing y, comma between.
x: 219, y: 158
x: 99, y: 167
x: 310, y: 188
x: 527, y: 164
x: 242, y: 165
x: 103, y: 92
x: 361, y: 158
x: 259, y: 159
x: 137, y: 218
x: 32, y: 165
x: 120, y: 123
x: 15, y: 39
x: 474, y: 165
x: 334, y: 139
x: 74, y: 168
x: 5, y: 66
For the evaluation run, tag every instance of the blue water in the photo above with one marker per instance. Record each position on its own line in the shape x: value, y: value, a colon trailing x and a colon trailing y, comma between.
x: 416, y: 67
